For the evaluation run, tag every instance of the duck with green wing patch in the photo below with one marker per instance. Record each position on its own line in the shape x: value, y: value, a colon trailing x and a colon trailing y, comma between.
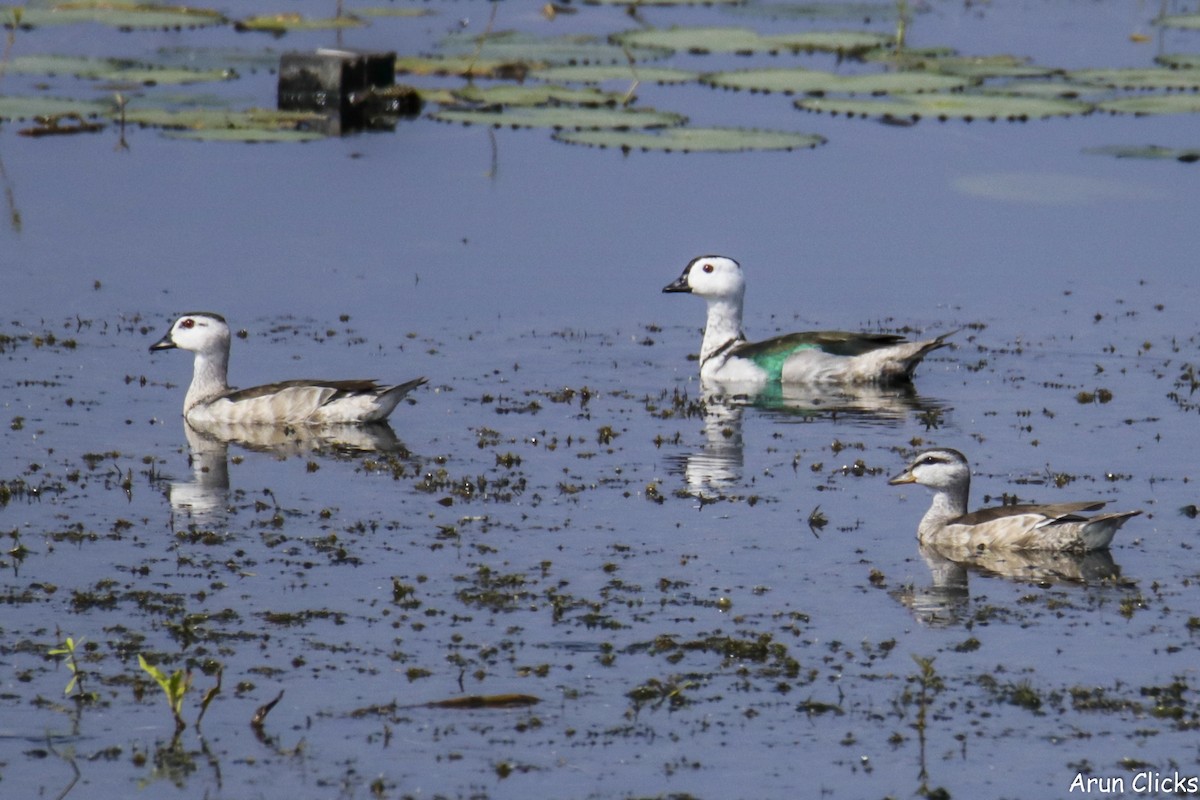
x: 813, y: 357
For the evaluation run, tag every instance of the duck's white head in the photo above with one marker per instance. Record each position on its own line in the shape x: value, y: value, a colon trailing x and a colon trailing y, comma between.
x: 711, y: 277
x: 941, y: 469
x: 200, y: 332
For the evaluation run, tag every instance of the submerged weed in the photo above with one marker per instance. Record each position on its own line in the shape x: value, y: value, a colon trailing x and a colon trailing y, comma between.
x: 656, y: 693
x: 494, y: 591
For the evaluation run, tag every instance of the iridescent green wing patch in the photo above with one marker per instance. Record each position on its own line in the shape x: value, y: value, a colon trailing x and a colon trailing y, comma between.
x: 771, y: 354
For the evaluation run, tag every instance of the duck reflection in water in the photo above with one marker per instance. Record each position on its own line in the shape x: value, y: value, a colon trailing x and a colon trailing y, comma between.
x: 946, y: 601
x: 205, y: 497
x: 868, y: 403
x: 716, y: 469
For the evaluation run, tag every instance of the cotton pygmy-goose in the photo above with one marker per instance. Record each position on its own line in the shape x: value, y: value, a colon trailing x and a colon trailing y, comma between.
x: 810, y: 357
x: 1060, y: 526
x: 314, y: 402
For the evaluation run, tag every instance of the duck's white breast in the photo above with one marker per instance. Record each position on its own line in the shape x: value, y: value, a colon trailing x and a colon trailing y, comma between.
x: 734, y: 370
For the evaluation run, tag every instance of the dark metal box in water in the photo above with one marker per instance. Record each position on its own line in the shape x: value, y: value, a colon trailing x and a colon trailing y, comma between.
x: 355, y: 90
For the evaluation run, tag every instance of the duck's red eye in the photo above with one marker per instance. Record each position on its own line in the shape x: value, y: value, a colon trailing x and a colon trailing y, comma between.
x: 707, y: 267
x: 188, y: 323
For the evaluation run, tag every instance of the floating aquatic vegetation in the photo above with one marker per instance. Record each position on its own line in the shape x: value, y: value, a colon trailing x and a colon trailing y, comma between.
x: 125, y: 16
x: 1152, y: 104
x: 655, y: 693
x: 865, y: 12
x: 254, y: 125
x: 510, y: 95
x: 562, y: 117
x: 949, y: 106
x: 1179, y: 60
x: 807, y: 81
x: 61, y: 125
x: 744, y: 40
x: 282, y: 23
x: 487, y: 701
x: 30, y: 107
x: 598, y: 73
x: 388, y: 11
x: 688, y: 140
x: 205, y: 118
x: 247, y: 135
x: 1183, y: 21
x: 516, y: 45
x: 1148, y: 78
x: 467, y: 66
x: 947, y: 62
x: 1038, y: 88
x: 694, y: 40
x: 113, y: 69
x: 493, y: 591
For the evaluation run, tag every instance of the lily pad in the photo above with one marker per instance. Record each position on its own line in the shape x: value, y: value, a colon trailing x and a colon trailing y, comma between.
x: 1138, y: 78
x: 599, y: 73
x: 866, y: 12
x: 1153, y: 104
x: 1148, y: 151
x: 125, y: 16
x: 515, y: 45
x: 1039, y: 88
x: 510, y: 95
x: 976, y: 67
x: 112, y: 69
x: 562, y: 118
x: 691, y: 140
x: 247, y: 135
x: 909, y: 57
x: 196, y: 119
x: 62, y: 125
x: 30, y: 107
x: 1179, y: 60
x: 949, y: 106
x: 387, y: 11
x: 805, y: 81
x: 693, y: 40
x: 846, y: 43
x: 744, y: 40
x: 282, y: 23
x: 1184, y: 21
x: 467, y: 66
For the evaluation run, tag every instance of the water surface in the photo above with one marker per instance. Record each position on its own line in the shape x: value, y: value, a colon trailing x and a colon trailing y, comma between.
x: 558, y: 516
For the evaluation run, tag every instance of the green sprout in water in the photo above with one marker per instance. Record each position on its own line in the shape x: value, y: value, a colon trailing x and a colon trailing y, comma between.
x: 175, y: 686
x: 70, y: 649
x: 929, y: 684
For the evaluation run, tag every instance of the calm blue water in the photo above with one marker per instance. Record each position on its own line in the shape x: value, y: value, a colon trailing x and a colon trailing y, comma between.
x: 506, y: 267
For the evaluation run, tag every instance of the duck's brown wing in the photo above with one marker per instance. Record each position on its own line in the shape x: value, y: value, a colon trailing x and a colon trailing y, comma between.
x: 340, y: 389
x: 1054, y: 512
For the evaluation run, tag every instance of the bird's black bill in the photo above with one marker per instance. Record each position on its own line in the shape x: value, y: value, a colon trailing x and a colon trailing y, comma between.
x: 680, y: 284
